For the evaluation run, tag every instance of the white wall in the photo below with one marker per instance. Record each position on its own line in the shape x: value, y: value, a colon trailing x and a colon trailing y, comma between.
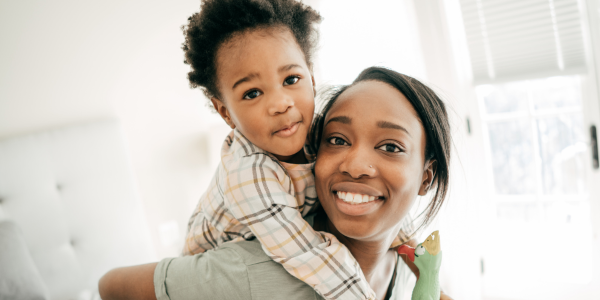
x: 356, y: 35
x: 65, y: 62
x: 448, y: 72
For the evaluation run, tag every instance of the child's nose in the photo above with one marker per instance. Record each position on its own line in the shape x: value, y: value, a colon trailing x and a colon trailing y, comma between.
x: 280, y: 103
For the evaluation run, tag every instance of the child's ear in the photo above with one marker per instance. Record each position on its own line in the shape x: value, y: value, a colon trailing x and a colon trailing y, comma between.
x: 223, y: 111
x: 428, y: 175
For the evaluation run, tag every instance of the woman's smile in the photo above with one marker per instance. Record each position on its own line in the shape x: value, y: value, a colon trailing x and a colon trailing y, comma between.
x: 355, y: 199
x: 352, y: 208
x: 371, y: 160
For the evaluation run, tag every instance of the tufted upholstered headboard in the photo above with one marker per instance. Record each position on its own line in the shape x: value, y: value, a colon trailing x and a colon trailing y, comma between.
x: 72, y: 193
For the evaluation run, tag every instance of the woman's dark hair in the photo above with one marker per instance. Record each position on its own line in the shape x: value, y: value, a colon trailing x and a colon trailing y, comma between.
x: 219, y: 20
x: 433, y: 115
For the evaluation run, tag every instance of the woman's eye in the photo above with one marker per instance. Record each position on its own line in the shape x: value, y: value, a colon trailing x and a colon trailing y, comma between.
x: 390, y: 148
x: 291, y: 80
x: 252, y: 94
x: 337, y: 141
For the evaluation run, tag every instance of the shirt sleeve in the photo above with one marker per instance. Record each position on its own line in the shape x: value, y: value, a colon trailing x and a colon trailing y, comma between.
x: 259, y: 194
x: 211, y: 275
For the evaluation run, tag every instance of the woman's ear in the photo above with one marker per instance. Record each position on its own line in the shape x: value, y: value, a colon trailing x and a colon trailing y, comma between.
x: 312, y: 77
x: 223, y: 111
x: 428, y: 175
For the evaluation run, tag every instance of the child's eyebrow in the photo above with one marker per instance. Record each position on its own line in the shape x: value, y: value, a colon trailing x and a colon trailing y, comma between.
x: 254, y: 75
x: 288, y: 67
x: 246, y: 78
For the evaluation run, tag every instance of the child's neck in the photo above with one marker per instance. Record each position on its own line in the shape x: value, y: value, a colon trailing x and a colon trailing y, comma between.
x: 298, y: 158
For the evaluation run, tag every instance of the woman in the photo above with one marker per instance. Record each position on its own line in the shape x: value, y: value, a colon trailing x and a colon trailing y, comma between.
x: 383, y: 140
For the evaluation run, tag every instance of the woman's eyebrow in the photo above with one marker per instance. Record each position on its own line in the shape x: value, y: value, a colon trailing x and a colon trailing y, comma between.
x: 341, y: 119
x: 386, y: 124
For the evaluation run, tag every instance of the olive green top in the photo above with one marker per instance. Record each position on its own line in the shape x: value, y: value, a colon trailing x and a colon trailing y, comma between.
x: 242, y: 271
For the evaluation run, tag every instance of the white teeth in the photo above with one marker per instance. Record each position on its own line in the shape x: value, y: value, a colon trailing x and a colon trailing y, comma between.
x: 355, y: 198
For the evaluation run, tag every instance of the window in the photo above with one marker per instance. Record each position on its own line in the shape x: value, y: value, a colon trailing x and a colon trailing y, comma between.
x: 536, y: 137
x: 532, y: 66
x: 538, y: 158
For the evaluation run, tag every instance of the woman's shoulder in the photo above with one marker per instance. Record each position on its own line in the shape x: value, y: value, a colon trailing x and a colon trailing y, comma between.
x: 239, y: 270
x: 250, y: 252
x: 266, y: 278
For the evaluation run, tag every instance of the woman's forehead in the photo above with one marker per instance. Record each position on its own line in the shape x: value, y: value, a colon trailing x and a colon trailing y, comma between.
x: 374, y: 100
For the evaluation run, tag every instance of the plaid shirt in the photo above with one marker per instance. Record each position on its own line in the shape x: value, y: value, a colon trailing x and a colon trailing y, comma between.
x: 252, y: 194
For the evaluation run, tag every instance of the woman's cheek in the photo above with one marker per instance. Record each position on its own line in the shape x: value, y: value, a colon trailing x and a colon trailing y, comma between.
x: 325, y: 162
x: 404, y: 187
x: 321, y: 167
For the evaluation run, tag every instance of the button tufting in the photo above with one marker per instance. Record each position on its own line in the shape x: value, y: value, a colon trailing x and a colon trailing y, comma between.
x: 58, y: 187
x: 72, y: 242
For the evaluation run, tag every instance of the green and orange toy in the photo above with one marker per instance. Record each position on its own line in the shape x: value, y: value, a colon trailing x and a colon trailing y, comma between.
x: 427, y: 256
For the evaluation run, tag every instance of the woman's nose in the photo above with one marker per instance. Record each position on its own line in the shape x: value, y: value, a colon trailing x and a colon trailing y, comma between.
x: 357, y: 163
x: 279, y: 103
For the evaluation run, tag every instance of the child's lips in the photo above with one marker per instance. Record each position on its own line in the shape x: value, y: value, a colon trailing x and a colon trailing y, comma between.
x: 287, y: 130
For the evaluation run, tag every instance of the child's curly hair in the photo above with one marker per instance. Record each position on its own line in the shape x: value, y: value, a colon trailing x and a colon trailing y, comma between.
x: 219, y: 20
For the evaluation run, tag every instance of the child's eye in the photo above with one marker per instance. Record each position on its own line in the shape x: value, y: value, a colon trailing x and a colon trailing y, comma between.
x: 252, y: 94
x: 390, y: 148
x: 336, y: 141
x: 291, y: 80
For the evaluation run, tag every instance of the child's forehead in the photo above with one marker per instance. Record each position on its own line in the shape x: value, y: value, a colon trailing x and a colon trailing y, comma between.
x: 239, y: 42
x: 256, y: 51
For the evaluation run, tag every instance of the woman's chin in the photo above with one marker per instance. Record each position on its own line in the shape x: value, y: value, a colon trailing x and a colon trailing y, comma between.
x: 356, y: 228
x: 356, y: 221
x: 356, y: 233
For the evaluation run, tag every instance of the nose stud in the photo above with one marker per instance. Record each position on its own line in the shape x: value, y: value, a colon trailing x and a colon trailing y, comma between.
x: 370, y: 166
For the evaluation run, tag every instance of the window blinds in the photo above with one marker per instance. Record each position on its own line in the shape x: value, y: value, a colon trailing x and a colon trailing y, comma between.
x: 509, y: 39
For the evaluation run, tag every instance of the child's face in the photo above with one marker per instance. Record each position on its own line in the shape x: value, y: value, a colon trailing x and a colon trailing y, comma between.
x: 267, y: 90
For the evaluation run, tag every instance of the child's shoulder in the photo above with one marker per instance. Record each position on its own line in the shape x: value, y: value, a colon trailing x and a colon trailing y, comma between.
x: 239, y: 146
x: 239, y: 152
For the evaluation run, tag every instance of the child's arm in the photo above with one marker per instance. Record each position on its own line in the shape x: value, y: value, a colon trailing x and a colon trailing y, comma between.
x: 258, y: 194
x: 192, y: 244
x: 201, y: 233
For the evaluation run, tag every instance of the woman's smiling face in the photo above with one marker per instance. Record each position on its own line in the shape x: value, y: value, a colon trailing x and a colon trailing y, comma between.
x: 371, y: 161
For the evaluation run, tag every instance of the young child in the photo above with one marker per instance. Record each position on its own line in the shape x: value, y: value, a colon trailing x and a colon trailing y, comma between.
x: 252, y: 58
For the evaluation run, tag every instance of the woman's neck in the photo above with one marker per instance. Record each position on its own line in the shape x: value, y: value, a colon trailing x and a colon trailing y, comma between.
x: 375, y: 258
